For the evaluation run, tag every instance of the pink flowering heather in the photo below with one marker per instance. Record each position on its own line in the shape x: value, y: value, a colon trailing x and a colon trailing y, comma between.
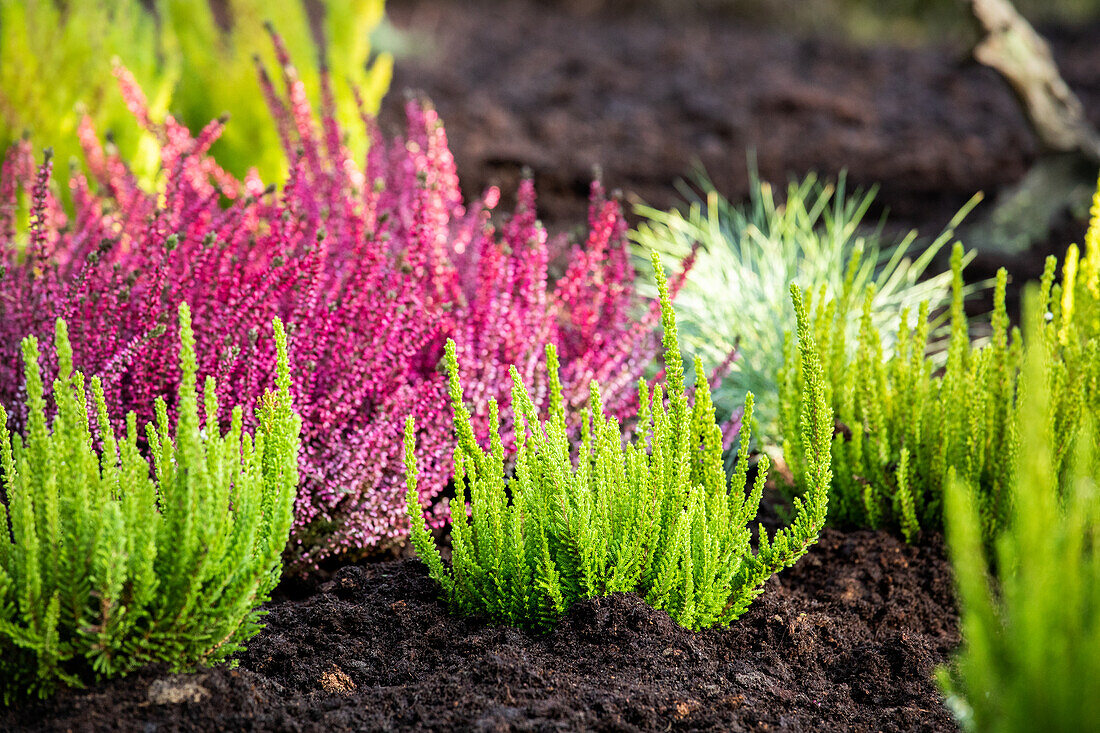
x: 372, y: 264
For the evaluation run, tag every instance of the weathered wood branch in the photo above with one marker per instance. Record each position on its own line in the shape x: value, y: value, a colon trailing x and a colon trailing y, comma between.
x: 1012, y: 46
x: 1065, y: 174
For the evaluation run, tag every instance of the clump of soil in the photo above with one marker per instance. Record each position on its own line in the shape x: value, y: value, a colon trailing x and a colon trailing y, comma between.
x: 846, y: 640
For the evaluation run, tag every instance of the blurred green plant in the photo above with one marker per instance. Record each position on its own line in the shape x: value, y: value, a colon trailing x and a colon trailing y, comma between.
x: 746, y: 254
x: 105, y: 568
x: 56, y: 63
x: 655, y: 515
x: 1030, y: 604
x: 871, y: 21
x: 924, y: 21
x: 55, y: 67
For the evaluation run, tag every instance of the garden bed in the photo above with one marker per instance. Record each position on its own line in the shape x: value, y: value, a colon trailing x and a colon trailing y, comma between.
x: 849, y: 638
x: 846, y: 640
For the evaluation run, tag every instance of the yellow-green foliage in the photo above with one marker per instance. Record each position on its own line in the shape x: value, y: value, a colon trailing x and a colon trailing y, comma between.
x: 56, y: 64
x: 654, y: 514
x: 904, y: 425
x: 1030, y: 608
x: 104, y: 567
x: 217, y: 73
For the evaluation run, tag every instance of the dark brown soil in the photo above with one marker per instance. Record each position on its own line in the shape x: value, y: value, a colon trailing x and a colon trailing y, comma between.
x: 845, y: 641
x: 520, y: 84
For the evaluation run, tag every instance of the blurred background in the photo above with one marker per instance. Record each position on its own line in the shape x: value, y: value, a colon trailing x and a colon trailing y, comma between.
x: 640, y: 92
x: 901, y: 20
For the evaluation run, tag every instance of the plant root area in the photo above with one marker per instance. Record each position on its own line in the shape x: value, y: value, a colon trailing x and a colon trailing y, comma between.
x: 847, y: 640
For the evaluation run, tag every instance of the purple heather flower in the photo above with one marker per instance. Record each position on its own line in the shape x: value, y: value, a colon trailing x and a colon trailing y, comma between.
x: 372, y: 264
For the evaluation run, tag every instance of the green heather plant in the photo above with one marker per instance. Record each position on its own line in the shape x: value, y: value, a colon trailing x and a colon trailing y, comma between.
x: 56, y: 63
x: 1030, y: 606
x: 106, y: 566
x: 655, y: 515
x: 745, y: 255
x: 902, y: 424
x: 1073, y: 327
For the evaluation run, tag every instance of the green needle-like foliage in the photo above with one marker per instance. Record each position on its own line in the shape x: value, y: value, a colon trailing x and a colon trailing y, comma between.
x: 902, y: 424
x: 1030, y: 607
x: 106, y: 566
x: 655, y: 514
x: 1072, y: 330
x: 905, y: 425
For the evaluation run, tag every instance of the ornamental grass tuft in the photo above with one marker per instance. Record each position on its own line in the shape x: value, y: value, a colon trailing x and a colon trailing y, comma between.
x: 654, y: 515
x: 106, y: 566
x: 746, y: 254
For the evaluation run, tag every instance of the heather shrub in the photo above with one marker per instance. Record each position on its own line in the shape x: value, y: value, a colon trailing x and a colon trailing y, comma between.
x: 904, y: 426
x: 747, y: 253
x: 106, y: 566
x: 1030, y: 603
x: 654, y: 514
x: 371, y: 263
x: 56, y: 67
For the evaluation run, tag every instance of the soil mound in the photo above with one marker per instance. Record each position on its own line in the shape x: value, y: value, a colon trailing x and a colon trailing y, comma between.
x: 846, y: 640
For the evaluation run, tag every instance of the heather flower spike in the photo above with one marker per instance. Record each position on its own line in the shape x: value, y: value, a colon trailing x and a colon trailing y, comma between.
x: 372, y: 263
